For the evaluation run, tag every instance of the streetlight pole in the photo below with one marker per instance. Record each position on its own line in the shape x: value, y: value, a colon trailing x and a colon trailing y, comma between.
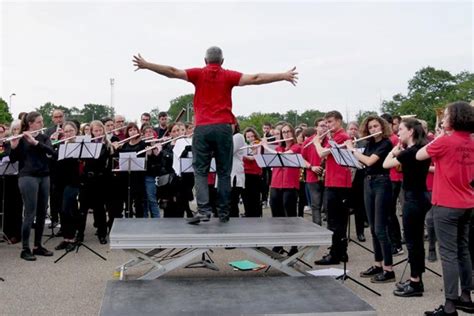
x: 112, y: 82
x: 10, y: 103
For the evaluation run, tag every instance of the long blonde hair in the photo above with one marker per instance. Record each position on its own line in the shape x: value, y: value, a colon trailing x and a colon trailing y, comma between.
x: 105, y: 140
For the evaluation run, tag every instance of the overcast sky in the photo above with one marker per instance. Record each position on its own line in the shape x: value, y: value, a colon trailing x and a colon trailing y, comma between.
x: 349, y: 55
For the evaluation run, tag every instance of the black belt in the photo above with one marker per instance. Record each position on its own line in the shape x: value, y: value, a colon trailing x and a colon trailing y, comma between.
x: 376, y: 176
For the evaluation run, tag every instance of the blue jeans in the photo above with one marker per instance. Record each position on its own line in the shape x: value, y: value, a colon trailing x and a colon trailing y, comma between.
x: 209, y: 141
x: 151, y: 203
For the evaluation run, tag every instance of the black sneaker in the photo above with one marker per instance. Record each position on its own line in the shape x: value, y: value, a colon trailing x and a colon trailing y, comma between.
x: 400, y: 285
x: 41, y: 251
x: 327, y: 260
x: 440, y: 312
x: 62, y: 245
x: 27, y: 255
x: 409, y: 290
x: 467, y: 307
x: 370, y: 272
x: 384, y: 277
x: 293, y: 251
x: 397, y: 251
x: 198, y: 218
x: 361, y: 237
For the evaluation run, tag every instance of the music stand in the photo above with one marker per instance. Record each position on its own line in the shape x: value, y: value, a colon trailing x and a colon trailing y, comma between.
x: 7, y: 168
x: 344, y: 157
x: 129, y: 162
x: 80, y: 150
x: 280, y: 160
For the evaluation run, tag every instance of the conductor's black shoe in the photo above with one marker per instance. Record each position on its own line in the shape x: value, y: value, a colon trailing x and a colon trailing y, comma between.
x: 198, y: 218
x: 41, y: 251
x: 361, y: 237
x: 293, y: 250
x: 370, y: 272
x: 27, y: 255
x: 467, y: 307
x: 409, y: 290
x: 327, y: 260
x: 384, y: 277
x: 440, y: 312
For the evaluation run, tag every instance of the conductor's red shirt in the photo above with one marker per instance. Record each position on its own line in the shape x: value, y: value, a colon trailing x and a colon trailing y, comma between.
x: 336, y: 175
x: 453, y: 156
x: 286, y: 178
x: 213, y: 94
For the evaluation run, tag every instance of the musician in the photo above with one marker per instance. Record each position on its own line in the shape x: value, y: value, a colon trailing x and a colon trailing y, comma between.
x: 302, y: 196
x: 93, y: 183
x: 266, y: 172
x: 237, y: 174
x: 119, y: 121
x: 68, y: 182
x: 377, y: 195
x: 285, y: 181
x: 55, y: 133
x: 415, y: 202
x: 357, y: 190
x: 137, y: 179
x: 337, y: 183
x: 396, y: 177
x: 253, y: 176
x: 189, y: 128
x: 213, y: 115
x: 314, y: 173
x: 152, y: 166
x: 12, y: 199
x: 85, y: 129
x: 453, y: 202
x: 31, y: 151
x: 162, y: 128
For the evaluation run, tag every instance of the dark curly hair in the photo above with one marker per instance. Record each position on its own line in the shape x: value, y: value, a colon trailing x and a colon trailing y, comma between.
x: 461, y: 116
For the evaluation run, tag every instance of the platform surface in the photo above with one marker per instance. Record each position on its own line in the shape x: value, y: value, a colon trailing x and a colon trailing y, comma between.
x: 232, y: 296
x: 238, y: 232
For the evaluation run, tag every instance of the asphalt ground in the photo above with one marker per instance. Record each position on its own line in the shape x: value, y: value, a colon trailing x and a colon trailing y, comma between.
x: 76, y: 284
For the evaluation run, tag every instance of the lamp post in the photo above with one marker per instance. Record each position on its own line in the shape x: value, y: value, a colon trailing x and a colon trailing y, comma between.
x: 10, y: 103
x: 112, y: 82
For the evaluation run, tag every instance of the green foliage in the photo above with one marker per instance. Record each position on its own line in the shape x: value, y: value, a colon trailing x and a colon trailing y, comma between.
x: 182, y: 102
x: 154, y: 116
x: 361, y: 115
x: 5, y: 115
x: 89, y: 113
x: 428, y: 90
x: 92, y: 112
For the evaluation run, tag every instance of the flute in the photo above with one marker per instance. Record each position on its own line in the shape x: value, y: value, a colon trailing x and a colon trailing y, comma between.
x: 158, y: 139
x: 160, y: 144
x: 64, y: 139
x: 127, y: 139
x: 355, y: 141
x: 7, y: 139
x: 269, y: 143
x: 110, y: 132
x: 322, y: 136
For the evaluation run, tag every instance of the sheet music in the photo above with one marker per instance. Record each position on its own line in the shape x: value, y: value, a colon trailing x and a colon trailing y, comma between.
x: 178, y: 149
x: 186, y: 165
x: 8, y: 168
x: 130, y: 162
x: 280, y: 160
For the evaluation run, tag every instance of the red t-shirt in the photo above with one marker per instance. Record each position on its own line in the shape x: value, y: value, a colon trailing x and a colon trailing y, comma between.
x: 251, y: 167
x: 286, y: 178
x: 336, y: 175
x: 429, y: 181
x: 311, y: 155
x: 213, y: 95
x: 453, y: 156
x: 395, y: 176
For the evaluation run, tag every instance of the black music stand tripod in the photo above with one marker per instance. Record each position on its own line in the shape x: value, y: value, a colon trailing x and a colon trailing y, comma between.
x: 82, y: 150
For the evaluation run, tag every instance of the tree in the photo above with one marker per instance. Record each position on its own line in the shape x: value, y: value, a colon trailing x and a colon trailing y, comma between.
x: 428, y: 90
x: 46, y: 111
x: 154, y: 116
x: 361, y: 115
x: 309, y: 116
x: 92, y: 112
x: 5, y: 115
x: 182, y: 102
x: 257, y: 119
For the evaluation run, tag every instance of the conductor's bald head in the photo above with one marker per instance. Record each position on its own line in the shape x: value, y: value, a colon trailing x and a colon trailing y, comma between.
x: 214, y: 55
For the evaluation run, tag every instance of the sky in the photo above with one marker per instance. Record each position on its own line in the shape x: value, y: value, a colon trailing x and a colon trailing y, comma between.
x: 349, y: 55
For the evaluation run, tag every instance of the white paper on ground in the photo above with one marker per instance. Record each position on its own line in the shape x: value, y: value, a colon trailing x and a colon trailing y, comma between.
x: 327, y: 272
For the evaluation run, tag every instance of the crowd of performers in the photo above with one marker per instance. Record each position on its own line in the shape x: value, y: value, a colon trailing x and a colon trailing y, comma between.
x: 430, y: 173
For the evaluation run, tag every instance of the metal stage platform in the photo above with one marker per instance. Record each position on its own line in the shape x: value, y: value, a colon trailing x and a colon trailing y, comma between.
x: 232, y: 296
x: 169, y: 243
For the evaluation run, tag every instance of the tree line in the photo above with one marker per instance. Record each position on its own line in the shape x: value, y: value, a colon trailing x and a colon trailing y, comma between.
x: 428, y: 90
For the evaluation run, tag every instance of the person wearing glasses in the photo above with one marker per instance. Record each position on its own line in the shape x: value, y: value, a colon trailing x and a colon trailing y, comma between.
x: 214, y: 118
x: 119, y: 121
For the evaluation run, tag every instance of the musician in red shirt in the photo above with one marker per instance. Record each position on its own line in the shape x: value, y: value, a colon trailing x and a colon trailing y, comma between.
x: 453, y: 202
x: 213, y: 115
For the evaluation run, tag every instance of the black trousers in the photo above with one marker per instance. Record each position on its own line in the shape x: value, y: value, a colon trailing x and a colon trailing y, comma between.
x: 265, y: 182
x: 337, y: 216
x: 415, y: 207
x: 393, y: 224
x: 13, y: 206
x: 70, y: 216
x: 92, y: 196
x: 252, y: 195
x: 283, y: 202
